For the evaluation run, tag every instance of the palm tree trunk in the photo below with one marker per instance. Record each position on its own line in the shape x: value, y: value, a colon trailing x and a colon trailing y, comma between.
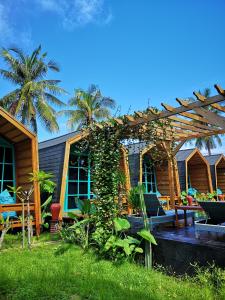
x: 208, y: 148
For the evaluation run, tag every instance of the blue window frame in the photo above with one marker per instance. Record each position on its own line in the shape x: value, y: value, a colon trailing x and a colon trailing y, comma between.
x: 7, y: 165
x: 149, y: 177
x: 78, y: 183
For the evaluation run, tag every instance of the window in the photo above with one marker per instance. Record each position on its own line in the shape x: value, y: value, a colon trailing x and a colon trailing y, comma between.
x: 149, y: 177
x: 7, y: 165
x: 78, y: 179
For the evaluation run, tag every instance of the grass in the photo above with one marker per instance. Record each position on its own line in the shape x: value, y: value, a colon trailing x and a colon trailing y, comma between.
x: 41, y: 274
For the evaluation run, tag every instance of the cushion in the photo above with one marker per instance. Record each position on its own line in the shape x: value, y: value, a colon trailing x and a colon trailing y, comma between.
x: 6, y: 198
x: 153, y: 206
x: 219, y: 192
x: 192, y: 192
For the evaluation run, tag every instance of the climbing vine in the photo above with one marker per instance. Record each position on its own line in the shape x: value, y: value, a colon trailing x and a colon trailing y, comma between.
x: 105, y: 141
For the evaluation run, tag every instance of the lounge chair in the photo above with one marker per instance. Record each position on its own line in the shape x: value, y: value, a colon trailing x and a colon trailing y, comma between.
x: 156, y: 214
x: 216, y: 218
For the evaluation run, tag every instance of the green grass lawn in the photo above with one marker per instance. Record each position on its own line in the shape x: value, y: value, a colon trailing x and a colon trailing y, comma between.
x: 41, y: 274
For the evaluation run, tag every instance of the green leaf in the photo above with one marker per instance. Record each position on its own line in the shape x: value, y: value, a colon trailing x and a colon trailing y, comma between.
x: 47, y: 201
x: 121, y: 224
x: 123, y: 244
x: 72, y: 215
x: 133, y: 240
x: 138, y: 250
x: 110, y: 243
x: 146, y: 235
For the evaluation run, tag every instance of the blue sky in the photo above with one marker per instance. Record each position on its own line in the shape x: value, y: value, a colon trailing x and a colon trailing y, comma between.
x: 139, y: 52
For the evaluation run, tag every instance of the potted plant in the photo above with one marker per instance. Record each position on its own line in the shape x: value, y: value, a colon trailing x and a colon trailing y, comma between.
x: 183, y: 198
x: 134, y: 201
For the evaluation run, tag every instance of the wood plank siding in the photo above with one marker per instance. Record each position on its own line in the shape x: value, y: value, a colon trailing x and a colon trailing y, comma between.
x: 24, y: 144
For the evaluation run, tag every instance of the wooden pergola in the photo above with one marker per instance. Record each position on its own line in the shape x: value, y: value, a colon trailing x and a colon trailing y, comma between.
x: 188, y: 121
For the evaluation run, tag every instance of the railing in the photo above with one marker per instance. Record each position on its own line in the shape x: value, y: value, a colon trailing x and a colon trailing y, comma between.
x: 17, y: 207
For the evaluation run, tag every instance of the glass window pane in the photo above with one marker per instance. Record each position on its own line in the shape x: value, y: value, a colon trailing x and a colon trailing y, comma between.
x: 73, y: 161
x: 8, y: 172
x: 1, y: 171
x: 84, y: 161
x: 82, y: 197
x: 8, y: 155
x: 1, y: 154
x: 71, y: 202
x: 73, y: 173
x: 72, y: 188
x: 83, y: 174
x: 83, y: 188
x: 6, y: 185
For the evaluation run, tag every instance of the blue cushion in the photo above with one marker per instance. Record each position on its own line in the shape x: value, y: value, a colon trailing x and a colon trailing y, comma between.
x: 192, y: 192
x: 219, y: 192
x: 6, y: 198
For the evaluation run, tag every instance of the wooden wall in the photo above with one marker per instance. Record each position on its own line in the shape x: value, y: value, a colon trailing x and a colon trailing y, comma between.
x: 23, y: 160
x: 162, y: 179
x: 26, y: 156
x: 220, y: 175
x: 199, y: 173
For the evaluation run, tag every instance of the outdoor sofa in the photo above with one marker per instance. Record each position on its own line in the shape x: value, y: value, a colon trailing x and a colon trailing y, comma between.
x: 156, y: 214
x: 215, y: 221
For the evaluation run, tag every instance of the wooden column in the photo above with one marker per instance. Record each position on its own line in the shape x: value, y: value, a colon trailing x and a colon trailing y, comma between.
x: 171, y: 182
x: 170, y: 157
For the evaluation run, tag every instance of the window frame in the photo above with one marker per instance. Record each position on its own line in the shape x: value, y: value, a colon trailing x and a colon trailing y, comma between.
x: 6, y: 145
x: 89, y: 195
x: 149, y: 170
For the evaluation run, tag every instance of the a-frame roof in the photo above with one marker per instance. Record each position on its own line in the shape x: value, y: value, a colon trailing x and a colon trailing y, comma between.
x: 182, y: 155
x: 213, y: 159
x: 12, y: 129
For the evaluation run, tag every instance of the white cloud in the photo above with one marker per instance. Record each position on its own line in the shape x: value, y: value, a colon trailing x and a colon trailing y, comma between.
x: 74, y: 13
x: 9, y: 32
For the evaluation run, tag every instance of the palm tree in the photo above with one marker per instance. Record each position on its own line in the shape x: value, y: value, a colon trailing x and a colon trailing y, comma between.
x: 34, y: 94
x: 208, y: 142
x: 90, y: 106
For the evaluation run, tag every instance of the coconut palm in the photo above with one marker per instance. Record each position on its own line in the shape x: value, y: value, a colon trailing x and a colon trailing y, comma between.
x: 208, y: 142
x: 34, y: 94
x: 89, y: 106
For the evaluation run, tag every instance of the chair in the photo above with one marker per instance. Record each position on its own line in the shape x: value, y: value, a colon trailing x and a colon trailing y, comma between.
x: 215, y: 210
x: 156, y: 214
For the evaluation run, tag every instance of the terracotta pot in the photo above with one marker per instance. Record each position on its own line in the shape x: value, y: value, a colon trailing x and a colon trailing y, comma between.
x: 190, y: 200
x: 55, y: 209
x: 221, y: 197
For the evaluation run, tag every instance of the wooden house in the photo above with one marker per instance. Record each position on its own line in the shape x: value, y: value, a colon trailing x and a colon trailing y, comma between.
x: 194, y: 171
x: 18, y: 158
x: 217, y: 168
x: 68, y: 159
x: 154, y: 176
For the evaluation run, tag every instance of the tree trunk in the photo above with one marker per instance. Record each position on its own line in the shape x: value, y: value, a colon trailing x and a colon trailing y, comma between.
x: 208, y: 148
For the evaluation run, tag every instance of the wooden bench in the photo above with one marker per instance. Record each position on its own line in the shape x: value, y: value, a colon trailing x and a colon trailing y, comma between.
x: 17, y: 207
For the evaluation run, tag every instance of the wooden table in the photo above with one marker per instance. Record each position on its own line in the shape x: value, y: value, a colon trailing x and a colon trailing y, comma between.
x: 185, y: 208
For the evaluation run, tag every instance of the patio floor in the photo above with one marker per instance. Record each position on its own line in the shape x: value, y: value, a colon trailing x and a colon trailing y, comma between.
x: 178, y: 248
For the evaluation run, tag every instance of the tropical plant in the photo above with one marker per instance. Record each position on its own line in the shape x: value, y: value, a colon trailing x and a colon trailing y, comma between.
x: 208, y: 142
x: 89, y: 106
x: 24, y: 196
x: 119, y: 246
x: 145, y: 232
x: 6, y: 225
x: 79, y: 232
x: 134, y: 199
x: 34, y: 94
x: 183, y: 197
x: 44, y: 179
x: 47, y: 187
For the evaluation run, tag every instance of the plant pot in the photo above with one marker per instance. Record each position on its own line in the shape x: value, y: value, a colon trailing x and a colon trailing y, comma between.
x: 55, y: 209
x: 221, y: 197
x: 190, y: 200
